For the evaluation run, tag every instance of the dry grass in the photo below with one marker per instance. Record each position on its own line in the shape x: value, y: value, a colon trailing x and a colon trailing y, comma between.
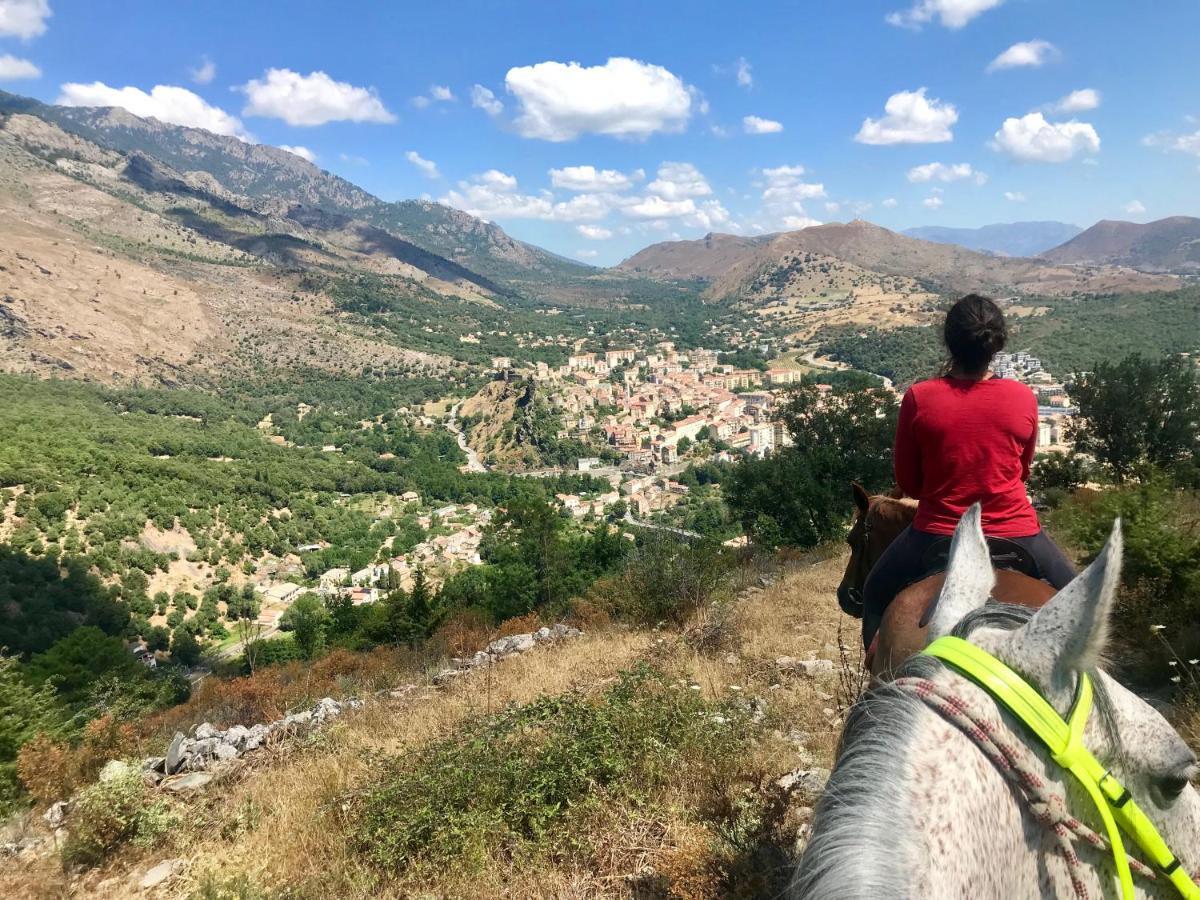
x: 279, y: 820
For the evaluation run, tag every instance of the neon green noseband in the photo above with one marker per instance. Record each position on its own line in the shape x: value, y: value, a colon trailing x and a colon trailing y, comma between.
x: 1064, y: 740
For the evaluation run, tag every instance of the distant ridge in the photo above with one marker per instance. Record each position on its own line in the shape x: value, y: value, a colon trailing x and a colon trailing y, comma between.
x: 1166, y: 245
x: 1002, y: 239
x: 942, y: 267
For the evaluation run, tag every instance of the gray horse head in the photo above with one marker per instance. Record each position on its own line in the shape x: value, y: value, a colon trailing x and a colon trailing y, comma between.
x: 914, y: 808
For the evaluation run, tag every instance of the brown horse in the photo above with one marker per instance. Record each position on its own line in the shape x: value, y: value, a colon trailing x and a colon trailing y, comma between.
x: 878, y: 521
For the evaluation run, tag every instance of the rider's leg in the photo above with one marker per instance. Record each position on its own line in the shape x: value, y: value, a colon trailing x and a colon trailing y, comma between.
x: 898, y: 567
x: 1053, y: 564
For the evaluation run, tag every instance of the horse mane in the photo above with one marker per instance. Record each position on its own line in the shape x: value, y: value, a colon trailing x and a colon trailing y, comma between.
x: 868, y: 797
x: 900, y: 510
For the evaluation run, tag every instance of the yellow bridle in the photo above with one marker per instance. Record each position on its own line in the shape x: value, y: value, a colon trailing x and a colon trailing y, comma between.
x: 1064, y: 740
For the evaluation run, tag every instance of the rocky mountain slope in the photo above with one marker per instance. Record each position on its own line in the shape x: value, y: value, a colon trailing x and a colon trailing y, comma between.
x: 1006, y: 239
x: 279, y: 179
x: 753, y: 265
x: 116, y: 265
x: 707, y: 258
x: 1167, y: 245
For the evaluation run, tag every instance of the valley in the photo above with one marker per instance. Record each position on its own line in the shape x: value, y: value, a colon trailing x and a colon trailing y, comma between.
x: 269, y: 442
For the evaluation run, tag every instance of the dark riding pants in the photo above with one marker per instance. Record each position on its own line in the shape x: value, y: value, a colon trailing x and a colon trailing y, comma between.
x: 901, y: 565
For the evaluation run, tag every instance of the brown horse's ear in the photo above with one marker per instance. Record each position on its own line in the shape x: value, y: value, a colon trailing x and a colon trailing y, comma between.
x: 861, y: 498
x: 897, y: 493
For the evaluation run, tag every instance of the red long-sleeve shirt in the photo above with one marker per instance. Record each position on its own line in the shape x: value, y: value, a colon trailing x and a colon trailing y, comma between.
x: 960, y: 442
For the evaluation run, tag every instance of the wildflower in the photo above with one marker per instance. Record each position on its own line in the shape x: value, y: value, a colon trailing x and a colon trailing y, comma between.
x: 734, y: 687
x: 1172, y: 663
x: 1157, y: 628
x: 1176, y: 679
x: 1194, y: 662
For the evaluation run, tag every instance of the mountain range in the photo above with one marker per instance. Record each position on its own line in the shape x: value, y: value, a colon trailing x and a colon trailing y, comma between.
x: 1004, y: 239
x: 761, y: 268
x: 133, y: 247
x: 1167, y: 245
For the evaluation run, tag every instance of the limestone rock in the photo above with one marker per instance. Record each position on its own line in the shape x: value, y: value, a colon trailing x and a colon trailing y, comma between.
x: 810, y: 781
x: 175, y: 754
x: 160, y: 873
x: 206, y: 730
x: 190, y: 782
x: 56, y: 814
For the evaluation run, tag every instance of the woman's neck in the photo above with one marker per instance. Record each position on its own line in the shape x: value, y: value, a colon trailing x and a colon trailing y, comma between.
x: 957, y: 371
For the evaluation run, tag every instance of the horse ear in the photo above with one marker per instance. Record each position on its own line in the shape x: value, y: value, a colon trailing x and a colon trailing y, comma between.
x: 969, y: 575
x: 861, y: 498
x: 1070, y: 632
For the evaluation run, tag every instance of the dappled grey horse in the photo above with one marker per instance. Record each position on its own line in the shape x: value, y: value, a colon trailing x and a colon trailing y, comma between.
x: 916, y: 808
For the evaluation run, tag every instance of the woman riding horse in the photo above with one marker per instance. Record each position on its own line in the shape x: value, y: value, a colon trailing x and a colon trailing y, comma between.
x: 967, y: 437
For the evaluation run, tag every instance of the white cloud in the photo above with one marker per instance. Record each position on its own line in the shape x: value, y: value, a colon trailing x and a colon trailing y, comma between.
x: 718, y: 131
x: 495, y: 195
x: 890, y: 203
x: 1174, y: 143
x: 428, y: 167
x: 910, y: 118
x: 795, y: 223
x: 936, y: 171
x: 950, y: 13
x: 1076, y: 101
x: 205, y: 72
x: 587, y: 254
x: 14, y: 69
x: 623, y: 98
x: 756, y: 125
x: 589, y: 178
x: 312, y: 99
x: 420, y: 101
x: 655, y: 207
x: 441, y: 93
x: 483, y: 98
x: 594, y: 232
x: 353, y: 160
x: 676, y: 180
x: 1134, y: 207
x: 1032, y: 139
x: 1014, y: 196
x: 784, y: 194
x: 742, y: 73
x: 167, y: 103
x: 1026, y: 53
x: 832, y: 206
x: 934, y: 202
x: 302, y: 152
x: 23, y: 18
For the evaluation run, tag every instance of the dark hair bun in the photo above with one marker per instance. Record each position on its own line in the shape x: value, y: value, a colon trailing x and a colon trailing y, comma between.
x: 974, y: 332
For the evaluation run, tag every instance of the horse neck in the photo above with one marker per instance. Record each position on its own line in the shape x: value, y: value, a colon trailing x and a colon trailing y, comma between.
x: 915, y: 809
x: 888, y: 518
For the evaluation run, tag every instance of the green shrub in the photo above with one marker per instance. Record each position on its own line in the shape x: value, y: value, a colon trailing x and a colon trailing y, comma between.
x: 510, y: 783
x: 110, y: 813
x: 1160, y: 573
x: 668, y: 579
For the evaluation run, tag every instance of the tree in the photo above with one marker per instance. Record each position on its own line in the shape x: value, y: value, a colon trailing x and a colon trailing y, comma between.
x: 1137, y: 414
x: 157, y: 638
x: 185, y: 649
x: 801, y: 494
x: 307, y: 619
x: 24, y: 712
x: 82, y: 658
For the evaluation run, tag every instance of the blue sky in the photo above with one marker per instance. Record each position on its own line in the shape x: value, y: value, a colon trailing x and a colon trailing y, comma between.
x: 1074, y: 110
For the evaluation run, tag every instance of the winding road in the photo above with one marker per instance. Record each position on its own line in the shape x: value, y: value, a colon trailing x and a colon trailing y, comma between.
x: 474, y: 464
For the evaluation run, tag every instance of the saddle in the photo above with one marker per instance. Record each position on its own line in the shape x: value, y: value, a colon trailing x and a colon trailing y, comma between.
x: 1005, y: 554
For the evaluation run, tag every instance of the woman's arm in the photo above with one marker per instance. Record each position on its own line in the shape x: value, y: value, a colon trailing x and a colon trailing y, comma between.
x: 1030, y: 447
x: 906, y: 454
